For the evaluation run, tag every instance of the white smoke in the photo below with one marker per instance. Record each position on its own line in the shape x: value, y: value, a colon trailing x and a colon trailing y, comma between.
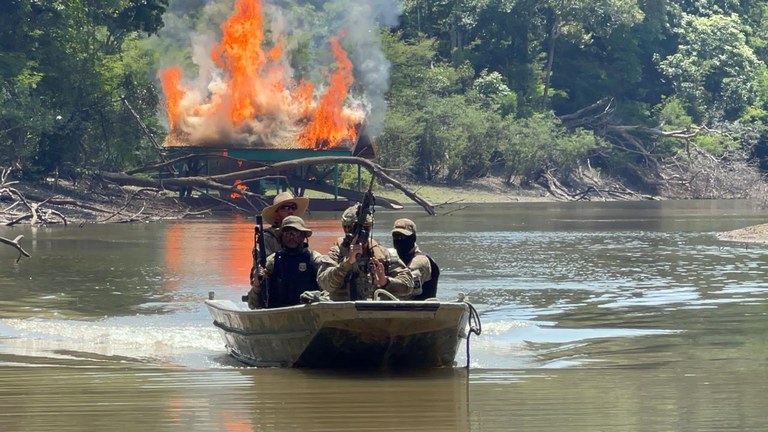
x: 371, y: 65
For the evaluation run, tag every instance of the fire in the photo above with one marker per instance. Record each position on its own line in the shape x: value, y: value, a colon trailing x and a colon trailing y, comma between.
x: 331, y: 124
x: 171, y: 80
x: 258, y: 92
x: 241, y: 186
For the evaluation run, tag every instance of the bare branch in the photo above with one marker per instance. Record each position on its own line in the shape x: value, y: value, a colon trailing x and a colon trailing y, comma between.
x: 15, y: 244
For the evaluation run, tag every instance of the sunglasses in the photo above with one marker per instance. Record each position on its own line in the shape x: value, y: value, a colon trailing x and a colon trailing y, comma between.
x: 287, y: 207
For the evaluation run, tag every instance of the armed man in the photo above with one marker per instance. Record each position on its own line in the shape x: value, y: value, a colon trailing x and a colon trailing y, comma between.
x: 356, y: 265
x: 288, y: 272
x: 283, y: 205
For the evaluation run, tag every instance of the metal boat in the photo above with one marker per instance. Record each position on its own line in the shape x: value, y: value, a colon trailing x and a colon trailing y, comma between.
x: 386, y: 334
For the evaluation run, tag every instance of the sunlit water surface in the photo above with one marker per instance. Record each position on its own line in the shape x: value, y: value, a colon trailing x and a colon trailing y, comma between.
x: 596, y: 317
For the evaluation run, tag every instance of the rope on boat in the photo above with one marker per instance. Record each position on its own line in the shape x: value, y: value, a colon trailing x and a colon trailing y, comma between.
x: 385, y: 293
x: 475, y: 326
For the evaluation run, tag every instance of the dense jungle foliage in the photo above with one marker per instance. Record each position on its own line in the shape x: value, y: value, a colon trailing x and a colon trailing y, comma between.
x: 476, y: 87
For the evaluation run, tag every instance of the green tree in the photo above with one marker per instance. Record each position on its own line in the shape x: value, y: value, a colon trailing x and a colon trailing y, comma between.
x: 580, y: 20
x: 541, y: 143
x: 404, y: 124
x: 434, y: 130
x: 713, y: 70
x: 73, y: 65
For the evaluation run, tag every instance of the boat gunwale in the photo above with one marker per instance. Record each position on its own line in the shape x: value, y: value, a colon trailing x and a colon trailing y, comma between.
x: 360, y: 305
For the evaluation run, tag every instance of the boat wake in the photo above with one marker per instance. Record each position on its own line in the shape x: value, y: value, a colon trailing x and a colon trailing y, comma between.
x: 139, y: 340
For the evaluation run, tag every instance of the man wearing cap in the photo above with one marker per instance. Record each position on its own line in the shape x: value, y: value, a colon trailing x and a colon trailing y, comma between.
x: 284, y: 204
x: 424, y: 269
x: 290, y: 271
x: 354, y: 270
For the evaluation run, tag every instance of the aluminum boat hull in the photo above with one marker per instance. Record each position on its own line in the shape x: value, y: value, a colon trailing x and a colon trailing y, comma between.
x: 359, y: 334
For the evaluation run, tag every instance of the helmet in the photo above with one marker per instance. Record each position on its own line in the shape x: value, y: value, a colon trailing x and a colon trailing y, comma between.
x: 349, y: 217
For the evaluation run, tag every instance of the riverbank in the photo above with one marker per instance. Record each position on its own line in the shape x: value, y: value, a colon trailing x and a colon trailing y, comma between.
x: 486, y: 190
x: 102, y: 203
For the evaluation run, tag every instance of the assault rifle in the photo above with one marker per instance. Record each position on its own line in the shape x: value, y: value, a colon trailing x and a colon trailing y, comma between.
x: 360, y: 230
x: 260, y: 260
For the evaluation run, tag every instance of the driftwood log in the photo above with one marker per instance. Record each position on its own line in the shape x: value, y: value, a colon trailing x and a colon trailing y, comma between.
x: 225, y: 182
x: 22, y: 204
x: 15, y: 244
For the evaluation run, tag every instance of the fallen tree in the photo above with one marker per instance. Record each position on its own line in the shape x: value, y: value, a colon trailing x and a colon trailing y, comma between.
x: 225, y: 182
x: 101, y: 203
x: 15, y: 244
x: 688, y: 173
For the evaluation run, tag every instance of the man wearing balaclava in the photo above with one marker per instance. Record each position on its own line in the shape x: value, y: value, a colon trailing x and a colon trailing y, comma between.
x: 424, y: 269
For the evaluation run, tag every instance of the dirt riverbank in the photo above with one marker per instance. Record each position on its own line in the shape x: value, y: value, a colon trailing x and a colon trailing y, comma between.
x: 104, y: 203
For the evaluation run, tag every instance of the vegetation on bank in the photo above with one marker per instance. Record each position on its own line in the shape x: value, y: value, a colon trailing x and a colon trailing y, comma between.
x: 670, y: 98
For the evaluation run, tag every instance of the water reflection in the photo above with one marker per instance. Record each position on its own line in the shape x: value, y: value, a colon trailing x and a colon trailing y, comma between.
x: 253, y: 399
x: 223, y: 251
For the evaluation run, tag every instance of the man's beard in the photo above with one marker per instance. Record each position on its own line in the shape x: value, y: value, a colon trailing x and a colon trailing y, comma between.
x: 294, y: 250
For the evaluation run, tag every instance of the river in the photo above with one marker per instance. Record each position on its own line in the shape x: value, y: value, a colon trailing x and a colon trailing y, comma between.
x: 621, y: 316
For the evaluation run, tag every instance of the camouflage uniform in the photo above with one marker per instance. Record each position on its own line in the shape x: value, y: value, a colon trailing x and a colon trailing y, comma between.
x: 425, y: 271
x: 272, y: 239
x: 340, y: 278
x: 271, y: 245
x: 421, y: 270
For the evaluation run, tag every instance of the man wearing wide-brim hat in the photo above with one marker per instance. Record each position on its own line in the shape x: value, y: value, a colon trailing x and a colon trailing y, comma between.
x: 283, y: 205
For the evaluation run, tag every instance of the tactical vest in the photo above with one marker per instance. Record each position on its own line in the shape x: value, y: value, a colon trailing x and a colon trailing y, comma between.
x: 292, y: 275
x: 429, y: 289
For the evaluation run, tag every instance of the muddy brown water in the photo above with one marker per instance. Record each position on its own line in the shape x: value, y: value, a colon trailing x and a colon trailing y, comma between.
x: 596, y: 317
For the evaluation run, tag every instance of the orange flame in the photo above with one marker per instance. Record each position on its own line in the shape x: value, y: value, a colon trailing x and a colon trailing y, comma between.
x: 174, y: 93
x: 257, y: 86
x: 240, y: 54
x: 240, y: 185
x: 330, y: 125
